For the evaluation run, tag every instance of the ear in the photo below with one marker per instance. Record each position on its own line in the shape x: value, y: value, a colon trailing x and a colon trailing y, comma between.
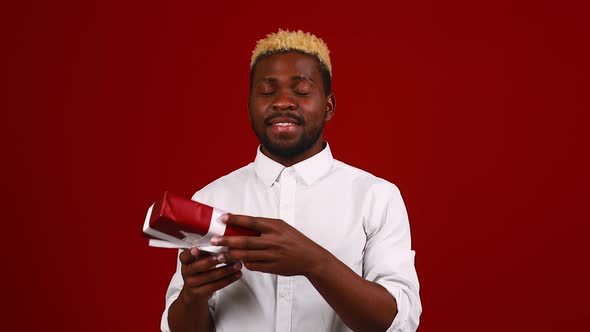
x: 330, y: 107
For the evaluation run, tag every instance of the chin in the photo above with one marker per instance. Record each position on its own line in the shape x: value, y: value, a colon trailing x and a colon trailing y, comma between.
x: 289, y: 147
x: 285, y: 149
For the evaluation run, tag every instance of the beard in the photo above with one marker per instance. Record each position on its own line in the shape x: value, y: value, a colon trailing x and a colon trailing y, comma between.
x: 289, y: 150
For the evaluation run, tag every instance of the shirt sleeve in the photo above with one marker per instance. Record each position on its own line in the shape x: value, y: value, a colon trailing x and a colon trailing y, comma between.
x: 172, y: 293
x: 389, y: 259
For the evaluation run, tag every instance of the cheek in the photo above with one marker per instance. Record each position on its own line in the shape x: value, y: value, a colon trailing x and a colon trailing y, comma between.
x: 256, y: 117
x: 258, y: 106
x: 315, y: 112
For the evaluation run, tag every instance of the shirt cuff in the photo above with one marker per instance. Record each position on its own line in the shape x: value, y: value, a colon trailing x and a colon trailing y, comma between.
x: 164, y: 322
x: 403, y: 321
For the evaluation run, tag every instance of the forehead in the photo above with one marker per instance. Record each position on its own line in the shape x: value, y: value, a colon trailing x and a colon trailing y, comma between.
x: 288, y: 65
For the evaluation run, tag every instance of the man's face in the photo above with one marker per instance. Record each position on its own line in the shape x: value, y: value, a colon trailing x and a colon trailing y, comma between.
x: 288, y: 106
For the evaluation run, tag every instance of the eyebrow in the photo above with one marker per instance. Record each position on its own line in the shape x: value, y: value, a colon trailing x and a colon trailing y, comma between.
x: 301, y: 78
x: 293, y: 78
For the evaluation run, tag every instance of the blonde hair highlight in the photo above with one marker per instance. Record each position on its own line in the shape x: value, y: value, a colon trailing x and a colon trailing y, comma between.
x: 284, y: 41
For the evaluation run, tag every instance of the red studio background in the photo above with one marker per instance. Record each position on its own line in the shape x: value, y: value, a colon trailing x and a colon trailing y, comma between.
x: 476, y: 110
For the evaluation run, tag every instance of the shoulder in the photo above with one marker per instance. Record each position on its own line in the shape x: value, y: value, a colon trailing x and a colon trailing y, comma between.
x: 364, y: 181
x: 374, y: 195
x: 379, y: 200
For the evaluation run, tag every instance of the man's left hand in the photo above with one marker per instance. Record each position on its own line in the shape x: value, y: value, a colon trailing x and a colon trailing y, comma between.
x: 280, y: 248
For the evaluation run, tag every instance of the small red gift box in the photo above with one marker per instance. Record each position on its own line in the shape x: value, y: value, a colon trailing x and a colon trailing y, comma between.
x: 177, y: 222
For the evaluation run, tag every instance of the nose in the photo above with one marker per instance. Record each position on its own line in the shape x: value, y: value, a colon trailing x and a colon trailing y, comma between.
x: 284, y: 100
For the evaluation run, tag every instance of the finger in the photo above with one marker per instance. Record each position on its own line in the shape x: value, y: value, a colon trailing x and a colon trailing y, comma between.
x: 207, y: 290
x: 203, y: 264
x: 252, y: 255
x: 261, y: 225
x: 190, y: 255
x: 240, y: 242
x: 186, y: 257
x: 266, y: 267
x: 212, y: 275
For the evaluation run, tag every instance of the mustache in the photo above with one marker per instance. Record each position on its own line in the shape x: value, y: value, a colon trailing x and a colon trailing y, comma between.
x: 295, y: 117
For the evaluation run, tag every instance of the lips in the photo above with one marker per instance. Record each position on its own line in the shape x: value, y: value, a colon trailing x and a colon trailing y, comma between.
x: 283, y: 120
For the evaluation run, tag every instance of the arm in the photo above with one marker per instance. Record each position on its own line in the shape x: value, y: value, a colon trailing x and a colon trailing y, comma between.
x: 362, y: 305
x: 190, y: 311
x: 186, y: 317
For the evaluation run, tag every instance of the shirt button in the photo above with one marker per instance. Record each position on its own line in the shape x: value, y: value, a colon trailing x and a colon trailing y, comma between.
x: 283, y: 294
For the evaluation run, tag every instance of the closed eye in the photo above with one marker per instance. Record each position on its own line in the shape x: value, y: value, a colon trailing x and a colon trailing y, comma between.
x: 303, y: 87
x: 265, y: 88
x: 302, y: 93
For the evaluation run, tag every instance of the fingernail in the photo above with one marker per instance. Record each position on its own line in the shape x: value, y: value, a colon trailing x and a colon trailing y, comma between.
x: 224, y: 218
x: 194, y: 252
x: 215, y: 240
x: 221, y: 258
x: 237, y: 266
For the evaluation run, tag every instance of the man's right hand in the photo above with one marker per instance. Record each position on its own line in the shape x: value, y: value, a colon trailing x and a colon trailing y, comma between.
x: 202, y: 278
x: 190, y: 311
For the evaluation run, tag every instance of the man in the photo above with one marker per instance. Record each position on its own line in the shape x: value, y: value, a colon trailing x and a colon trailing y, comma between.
x: 334, y: 251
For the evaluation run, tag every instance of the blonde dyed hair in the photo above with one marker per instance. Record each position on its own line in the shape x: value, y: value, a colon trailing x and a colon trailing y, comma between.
x: 284, y: 41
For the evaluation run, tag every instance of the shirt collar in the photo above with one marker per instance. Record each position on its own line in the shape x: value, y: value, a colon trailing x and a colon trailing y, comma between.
x: 309, y: 169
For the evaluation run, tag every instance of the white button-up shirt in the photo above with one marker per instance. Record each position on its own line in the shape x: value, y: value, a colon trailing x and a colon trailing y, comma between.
x: 359, y: 218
